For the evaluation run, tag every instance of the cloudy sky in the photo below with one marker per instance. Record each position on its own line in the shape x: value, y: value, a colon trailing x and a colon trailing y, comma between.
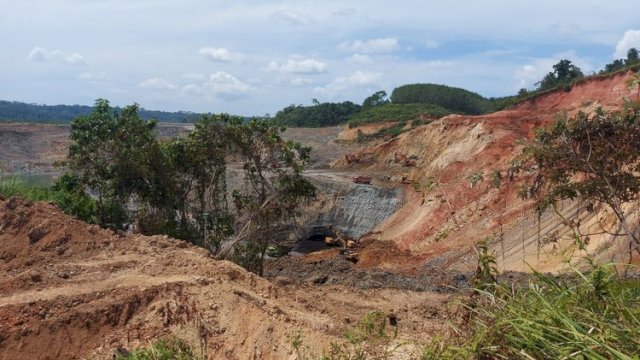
x: 251, y: 57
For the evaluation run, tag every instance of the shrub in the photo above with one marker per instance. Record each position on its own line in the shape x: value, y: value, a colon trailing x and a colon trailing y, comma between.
x: 167, y: 349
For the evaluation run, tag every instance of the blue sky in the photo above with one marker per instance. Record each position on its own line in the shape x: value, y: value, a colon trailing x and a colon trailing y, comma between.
x: 254, y: 57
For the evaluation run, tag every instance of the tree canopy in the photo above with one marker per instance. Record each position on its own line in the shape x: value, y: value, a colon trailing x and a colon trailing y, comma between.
x: 376, y: 99
x: 317, y: 115
x: 564, y: 73
x: 23, y: 112
x: 593, y: 157
x: 181, y: 187
x: 451, y: 98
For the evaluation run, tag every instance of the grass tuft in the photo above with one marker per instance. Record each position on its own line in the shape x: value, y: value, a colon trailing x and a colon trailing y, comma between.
x: 594, y: 315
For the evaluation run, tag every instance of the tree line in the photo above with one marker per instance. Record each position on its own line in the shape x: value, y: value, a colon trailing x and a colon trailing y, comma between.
x: 23, y: 112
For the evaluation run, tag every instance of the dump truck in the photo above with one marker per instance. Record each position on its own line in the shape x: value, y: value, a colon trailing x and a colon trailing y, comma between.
x: 362, y: 179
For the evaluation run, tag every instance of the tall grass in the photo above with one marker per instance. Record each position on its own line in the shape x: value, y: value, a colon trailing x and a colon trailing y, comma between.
x: 13, y: 186
x: 66, y: 193
x: 593, y: 315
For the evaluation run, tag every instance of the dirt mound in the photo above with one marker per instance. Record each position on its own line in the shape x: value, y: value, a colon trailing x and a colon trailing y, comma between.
x: 445, y: 212
x: 71, y: 290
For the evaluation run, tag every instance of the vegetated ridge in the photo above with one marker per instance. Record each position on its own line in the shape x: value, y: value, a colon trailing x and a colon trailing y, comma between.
x: 22, y: 112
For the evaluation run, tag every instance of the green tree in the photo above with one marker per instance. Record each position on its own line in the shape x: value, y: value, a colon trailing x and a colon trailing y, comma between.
x: 564, y: 73
x: 110, y: 153
x: 595, y: 158
x: 632, y: 57
x: 181, y: 188
x: 614, y: 66
x: 274, y: 187
x: 317, y: 115
x: 376, y: 99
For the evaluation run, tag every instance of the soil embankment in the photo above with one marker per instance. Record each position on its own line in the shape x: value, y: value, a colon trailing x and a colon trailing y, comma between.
x: 70, y: 290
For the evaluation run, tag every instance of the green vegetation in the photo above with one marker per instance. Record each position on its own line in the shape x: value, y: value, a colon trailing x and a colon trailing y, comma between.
x: 475, y: 178
x: 632, y: 60
x: 13, y: 186
x: 594, y: 315
x: 168, y: 349
x: 451, y: 98
x: 180, y: 188
x: 389, y: 132
x: 564, y: 74
x: 23, y: 112
x: 374, y: 100
x: 592, y: 157
x: 317, y: 115
x: 397, y: 112
x: 66, y: 193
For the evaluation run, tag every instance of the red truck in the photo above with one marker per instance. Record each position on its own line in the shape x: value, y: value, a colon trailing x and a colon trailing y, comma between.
x: 362, y: 179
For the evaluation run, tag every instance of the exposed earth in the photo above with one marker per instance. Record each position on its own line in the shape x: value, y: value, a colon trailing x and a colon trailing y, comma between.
x: 72, y: 290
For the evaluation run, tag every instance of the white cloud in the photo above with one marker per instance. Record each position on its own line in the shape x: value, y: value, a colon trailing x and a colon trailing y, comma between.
x: 194, y: 76
x: 358, y: 78
x: 360, y: 59
x: 291, y: 17
x: 630, y: 39
x: 99, y: 76
x: 431, y: 44
x: 372, y: 46
x: 350, y: 12
x: 301, y: 66
x: 221, y: 85
x: 157, y: 84
x: 527, y: 75
x: 567, y: 29
x: 221, y: 54
x: 440, y: 64
x: 193, y: 90
x: 40, y: 54
x: 300, y: 81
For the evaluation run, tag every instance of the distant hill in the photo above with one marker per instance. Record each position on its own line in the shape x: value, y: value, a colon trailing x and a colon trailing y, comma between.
x: 408, y: 102
x: 317, y: 115
x: 451, y: 98
x: 23, y: 112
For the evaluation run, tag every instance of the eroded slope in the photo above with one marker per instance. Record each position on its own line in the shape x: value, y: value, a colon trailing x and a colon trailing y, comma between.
x: 71, y: 290
x: 447, y: 214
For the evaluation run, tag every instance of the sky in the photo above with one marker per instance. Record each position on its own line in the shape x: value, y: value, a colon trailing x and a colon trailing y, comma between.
x: 251, y: 58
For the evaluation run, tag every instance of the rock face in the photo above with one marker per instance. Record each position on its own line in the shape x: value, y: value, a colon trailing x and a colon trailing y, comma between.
x: 361, y: 209
x: 353, y: 209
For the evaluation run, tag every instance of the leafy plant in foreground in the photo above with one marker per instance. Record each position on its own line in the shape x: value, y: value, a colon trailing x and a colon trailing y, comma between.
x: 594, y: 315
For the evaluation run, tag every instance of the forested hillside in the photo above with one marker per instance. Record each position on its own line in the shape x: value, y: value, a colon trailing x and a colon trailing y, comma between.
x: 454, y: 99
x: 23, y: 112
x: 316, y: 115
